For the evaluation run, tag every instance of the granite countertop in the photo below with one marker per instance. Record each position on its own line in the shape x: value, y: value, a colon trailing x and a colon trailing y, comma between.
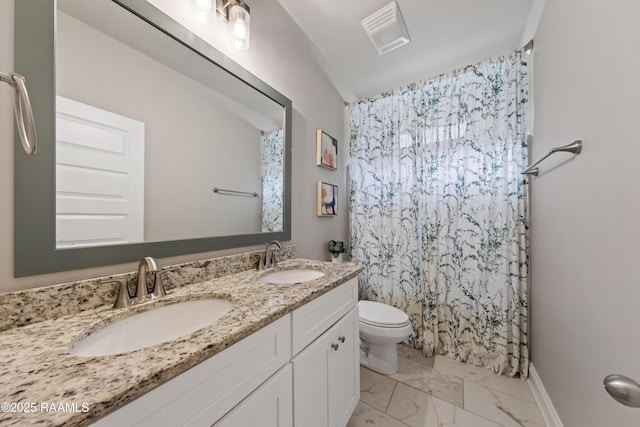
x: 38, y: 376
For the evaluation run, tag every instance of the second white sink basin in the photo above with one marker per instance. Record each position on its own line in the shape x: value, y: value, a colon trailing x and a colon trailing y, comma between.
x: 292, y: 276
x: 152, y: 327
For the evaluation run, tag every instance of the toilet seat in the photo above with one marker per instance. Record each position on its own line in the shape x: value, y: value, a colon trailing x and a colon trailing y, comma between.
x: 381, y: 315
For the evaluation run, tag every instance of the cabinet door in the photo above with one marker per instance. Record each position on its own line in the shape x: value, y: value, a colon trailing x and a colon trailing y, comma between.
x: 326, y: 377
x: 271, y: 405
x: 344, y: 369
x: 310, y: 385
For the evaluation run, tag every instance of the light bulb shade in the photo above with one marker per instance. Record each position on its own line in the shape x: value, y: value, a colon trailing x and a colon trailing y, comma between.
x: 239, y: 27
x: 203, y: 4
x: 204, y: 10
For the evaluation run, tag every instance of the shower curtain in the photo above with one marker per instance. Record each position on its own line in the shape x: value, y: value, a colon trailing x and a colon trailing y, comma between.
x: 272, y: 170
x: 438, y: 210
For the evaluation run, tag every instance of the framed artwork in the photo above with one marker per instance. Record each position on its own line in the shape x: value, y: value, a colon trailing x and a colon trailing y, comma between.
x: 327, y: 199
x: 327, y: 150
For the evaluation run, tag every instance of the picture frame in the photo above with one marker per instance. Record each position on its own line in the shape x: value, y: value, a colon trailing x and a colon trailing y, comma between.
x: 327, y: 199
x: 326, y: 150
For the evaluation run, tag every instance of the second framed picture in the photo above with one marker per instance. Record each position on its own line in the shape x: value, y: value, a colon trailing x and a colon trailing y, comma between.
x: 327, y: 199
x: 327, y: 150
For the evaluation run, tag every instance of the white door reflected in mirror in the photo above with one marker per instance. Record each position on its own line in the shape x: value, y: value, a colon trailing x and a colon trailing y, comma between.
x: 99, y: 176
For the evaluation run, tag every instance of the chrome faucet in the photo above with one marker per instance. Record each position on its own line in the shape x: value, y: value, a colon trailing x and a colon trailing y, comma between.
x: 124, y: 298
x: 147, y: 264
x: 269, y: 260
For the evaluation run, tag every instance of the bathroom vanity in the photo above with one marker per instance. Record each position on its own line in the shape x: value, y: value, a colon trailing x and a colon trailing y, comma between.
x: 310, y: 353
x: 285, y: 354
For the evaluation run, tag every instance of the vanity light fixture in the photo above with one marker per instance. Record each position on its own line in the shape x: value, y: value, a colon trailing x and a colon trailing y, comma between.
x: 236, y: 13
x: 203, y: 9
x: 239, y: 23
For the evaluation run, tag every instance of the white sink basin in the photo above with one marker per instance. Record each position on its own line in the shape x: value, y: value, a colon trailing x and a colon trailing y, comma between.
x: 291, y: 276
x: 152, y: 327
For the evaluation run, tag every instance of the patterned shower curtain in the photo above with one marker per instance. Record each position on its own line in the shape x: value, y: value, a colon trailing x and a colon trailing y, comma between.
x: 272, y: 147
x: 438, y: 210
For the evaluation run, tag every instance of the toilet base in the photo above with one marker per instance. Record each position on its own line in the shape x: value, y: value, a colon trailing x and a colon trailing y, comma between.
x: 382, y: 358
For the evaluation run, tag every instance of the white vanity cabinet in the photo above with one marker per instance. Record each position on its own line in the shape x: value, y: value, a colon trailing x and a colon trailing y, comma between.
x: 205, y: 393
x: 301, y: 370
x: 326, y: 374
x: 271, y: 405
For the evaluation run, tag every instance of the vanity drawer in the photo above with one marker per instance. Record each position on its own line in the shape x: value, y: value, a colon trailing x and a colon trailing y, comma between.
x: 312, y: 319
x: 206, y: 392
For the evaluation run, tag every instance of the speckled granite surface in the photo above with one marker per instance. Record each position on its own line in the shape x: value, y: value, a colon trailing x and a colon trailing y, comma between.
x: 36, y: 305
x: 37, y: 367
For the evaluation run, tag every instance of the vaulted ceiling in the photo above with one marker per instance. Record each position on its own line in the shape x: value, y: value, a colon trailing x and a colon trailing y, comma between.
x: 445, y: 34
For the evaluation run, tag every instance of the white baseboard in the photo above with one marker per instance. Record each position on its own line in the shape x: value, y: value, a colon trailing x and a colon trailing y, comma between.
x: 547, y: 410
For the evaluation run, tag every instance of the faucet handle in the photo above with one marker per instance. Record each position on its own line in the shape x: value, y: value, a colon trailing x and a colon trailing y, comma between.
x: 261, y: 262
x: 124, y: 298
x: 158, y: 289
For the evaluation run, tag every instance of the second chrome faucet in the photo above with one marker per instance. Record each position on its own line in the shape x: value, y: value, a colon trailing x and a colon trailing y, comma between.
x: 146, y: 265
x: 269, y: 260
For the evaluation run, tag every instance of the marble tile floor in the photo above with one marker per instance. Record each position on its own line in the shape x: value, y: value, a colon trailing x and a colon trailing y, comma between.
x: 438, y: 392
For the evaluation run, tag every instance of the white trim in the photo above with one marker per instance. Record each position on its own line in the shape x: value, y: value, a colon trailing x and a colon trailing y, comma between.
x: 543, y: 401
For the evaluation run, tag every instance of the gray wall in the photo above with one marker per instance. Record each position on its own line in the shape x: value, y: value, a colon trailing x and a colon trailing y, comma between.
x: 280, y: 54
x: 586, y: 211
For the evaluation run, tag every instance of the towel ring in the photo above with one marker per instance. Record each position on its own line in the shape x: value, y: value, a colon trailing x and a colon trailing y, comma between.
x: 23, y: 112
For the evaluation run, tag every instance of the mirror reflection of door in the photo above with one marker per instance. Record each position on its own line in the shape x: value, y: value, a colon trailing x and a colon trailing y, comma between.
x: 99, y: 176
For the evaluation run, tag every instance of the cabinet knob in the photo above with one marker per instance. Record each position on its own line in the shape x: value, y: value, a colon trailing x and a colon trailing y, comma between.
x: 335, y: 346
x: 341, y: 339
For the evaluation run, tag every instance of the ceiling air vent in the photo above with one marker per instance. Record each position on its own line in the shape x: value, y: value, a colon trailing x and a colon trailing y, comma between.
x: 386, y: 28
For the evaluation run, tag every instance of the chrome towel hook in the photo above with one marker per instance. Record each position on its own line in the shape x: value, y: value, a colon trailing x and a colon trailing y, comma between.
x: 23, y: 112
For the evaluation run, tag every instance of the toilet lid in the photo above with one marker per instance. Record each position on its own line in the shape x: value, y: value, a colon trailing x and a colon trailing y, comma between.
x: 379, y: 314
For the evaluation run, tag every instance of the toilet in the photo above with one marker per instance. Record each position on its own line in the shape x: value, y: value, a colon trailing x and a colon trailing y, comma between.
x: 381, y: 328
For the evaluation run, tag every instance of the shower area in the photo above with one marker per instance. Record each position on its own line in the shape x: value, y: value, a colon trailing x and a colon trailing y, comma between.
x: 438, y: 210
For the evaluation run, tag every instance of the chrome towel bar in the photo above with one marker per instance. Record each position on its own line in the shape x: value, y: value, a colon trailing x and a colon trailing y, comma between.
x: 575, y: 147
x: 23, y: 112
x: 234, y: 192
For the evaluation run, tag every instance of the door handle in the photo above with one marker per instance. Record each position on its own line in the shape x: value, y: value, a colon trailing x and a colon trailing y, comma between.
x: 623, y: 389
